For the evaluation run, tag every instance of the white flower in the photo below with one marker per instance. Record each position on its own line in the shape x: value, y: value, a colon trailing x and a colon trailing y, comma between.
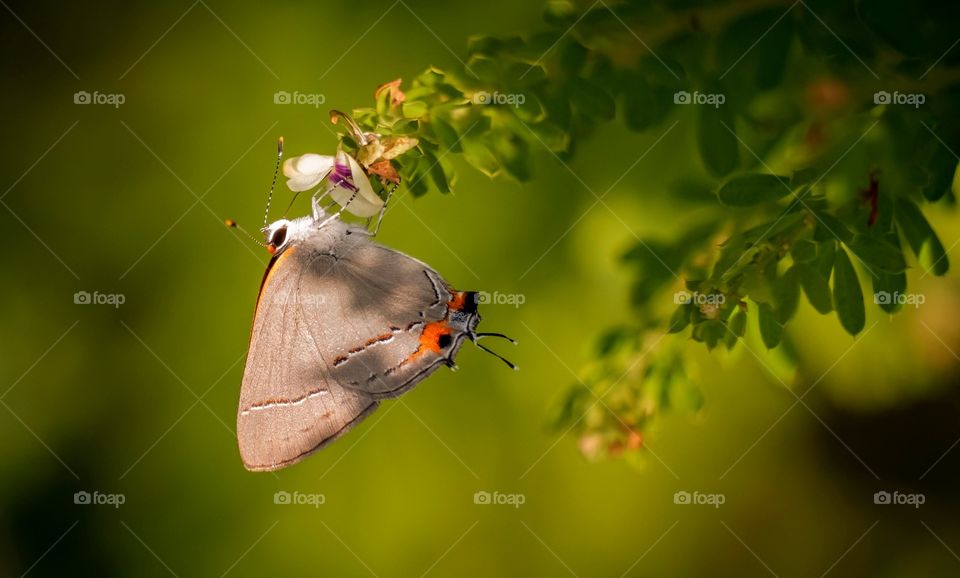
x: 306, y: 171
x: 343, y: 176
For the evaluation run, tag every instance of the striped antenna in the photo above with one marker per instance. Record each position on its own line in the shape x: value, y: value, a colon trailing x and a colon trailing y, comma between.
x: 276, y: 171
x: 231, y: 224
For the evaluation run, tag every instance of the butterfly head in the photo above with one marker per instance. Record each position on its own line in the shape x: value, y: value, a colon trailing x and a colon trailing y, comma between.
x: 280, y: 234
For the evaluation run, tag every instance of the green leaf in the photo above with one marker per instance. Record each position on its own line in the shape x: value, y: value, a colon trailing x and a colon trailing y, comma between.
x: 644, y: 105
x: 417, y: 187
x: 770, y: 330
x: 887, y: 287
x: 420, y: 92
x: 530, y: 110
x: 719, y: 148
x: 786, y: 294
x: 525, y: 74
x: 772, y: 59
x: 513, y: 154
x: 553, y: 137
x: 753, y: 189
x: 406, y: 126
x: 770, y: 230
x: 477, y: 154
x: 803, y: 177
x: 560, y: 13
x: 414, y: 109
x: 465, y: 82
x: 738, y: 323
x: 383, y: 103
x: 679, y: 320
x: 804, y: 251
x: 486, y: 69
x: 573, y: 56
x: 757, y: 285
x: 736, y: 327
x: 940, y: 168
x: 729, y: 339
x: 485, y: 45
x: 816, y: 286
x: 830, y: 228
x: 710, y: 332
x: 430, y: 77
x: 878, y: 254
x: 826, y: 254
x: 765, y: 65
x: 365, y: 115
x: 847, y: 295
x: 414, y: 176
x: 438, y: 175
x: 922, y: 238
x: 614, y: 339
x: 447, y: 136
x: 591, y: 100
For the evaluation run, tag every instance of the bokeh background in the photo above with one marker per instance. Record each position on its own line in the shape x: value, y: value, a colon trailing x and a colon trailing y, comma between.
x: 140, y: 399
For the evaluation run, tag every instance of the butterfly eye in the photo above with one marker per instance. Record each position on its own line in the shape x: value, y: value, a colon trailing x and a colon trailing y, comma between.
x: 278, y: 237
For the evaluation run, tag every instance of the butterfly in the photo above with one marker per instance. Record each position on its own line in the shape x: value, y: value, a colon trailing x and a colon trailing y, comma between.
x: 341, y: 322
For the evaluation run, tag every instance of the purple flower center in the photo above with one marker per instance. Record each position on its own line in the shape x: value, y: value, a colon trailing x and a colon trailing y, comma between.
x: 342, y: 176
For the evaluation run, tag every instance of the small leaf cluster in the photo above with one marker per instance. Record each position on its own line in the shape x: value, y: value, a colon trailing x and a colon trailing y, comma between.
x: 813, y: 188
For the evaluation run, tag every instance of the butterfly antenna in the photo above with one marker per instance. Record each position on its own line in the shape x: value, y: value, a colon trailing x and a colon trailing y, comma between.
x: 500, y: 335
x: 276, y: 171
x: 494, y: 353
x: 230, y: 223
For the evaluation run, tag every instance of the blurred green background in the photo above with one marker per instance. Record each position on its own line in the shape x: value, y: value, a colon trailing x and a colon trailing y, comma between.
x: 140, y: 399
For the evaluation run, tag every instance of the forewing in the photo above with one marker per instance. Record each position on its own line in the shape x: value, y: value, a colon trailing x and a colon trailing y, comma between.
x: 289, y: 404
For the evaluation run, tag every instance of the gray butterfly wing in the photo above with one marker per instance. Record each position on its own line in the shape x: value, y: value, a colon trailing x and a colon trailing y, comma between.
x: 289, y: 406
x: 379, y: 311
x: 336, y: 329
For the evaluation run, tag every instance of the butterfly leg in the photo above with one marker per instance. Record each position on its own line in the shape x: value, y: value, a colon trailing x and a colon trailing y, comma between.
x: 318, y: 211
x: 342, y: 209
x: 383, y: 210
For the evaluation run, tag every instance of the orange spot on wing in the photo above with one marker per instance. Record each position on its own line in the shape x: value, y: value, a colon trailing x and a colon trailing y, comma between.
x: 459, y: 301
x: 430, y: 338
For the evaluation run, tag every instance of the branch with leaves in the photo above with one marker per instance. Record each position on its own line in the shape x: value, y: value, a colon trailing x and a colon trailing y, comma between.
x: 786, y: 91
